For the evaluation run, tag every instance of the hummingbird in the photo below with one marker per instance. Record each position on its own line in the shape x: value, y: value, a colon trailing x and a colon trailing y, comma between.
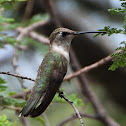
x: 51, y: 72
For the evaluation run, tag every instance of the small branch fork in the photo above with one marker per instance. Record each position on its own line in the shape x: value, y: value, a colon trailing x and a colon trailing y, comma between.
x: 71, y: 103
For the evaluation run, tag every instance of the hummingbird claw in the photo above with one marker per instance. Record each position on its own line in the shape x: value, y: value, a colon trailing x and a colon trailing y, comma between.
x: 61, y: 94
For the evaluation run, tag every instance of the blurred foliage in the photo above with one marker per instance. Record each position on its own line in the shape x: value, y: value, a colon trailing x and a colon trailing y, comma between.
x: 7, y: 100
x: 4, y: 121
x: 2, y: 86
x: 6, y: 20
x: 109, y: 31
x: 73, y: 98
x: 10, y: 1
x: 41, y: 120
x: 38, y: 17
x: 120, y: 56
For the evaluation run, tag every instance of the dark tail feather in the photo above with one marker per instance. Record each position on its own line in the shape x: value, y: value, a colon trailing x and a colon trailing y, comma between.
x: 29, y: 107
x: 44, y: 104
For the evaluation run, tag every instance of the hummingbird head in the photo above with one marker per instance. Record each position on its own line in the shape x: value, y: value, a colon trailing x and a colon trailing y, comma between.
x: 62, y: 37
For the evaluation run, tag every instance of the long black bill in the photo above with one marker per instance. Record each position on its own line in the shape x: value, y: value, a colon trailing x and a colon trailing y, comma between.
x: 84, y: 32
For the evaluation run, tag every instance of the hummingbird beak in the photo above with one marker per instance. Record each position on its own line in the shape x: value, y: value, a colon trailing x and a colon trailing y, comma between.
x: 85, y: 32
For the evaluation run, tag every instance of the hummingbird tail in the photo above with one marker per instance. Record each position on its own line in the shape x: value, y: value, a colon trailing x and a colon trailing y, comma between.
x: 29, y: 107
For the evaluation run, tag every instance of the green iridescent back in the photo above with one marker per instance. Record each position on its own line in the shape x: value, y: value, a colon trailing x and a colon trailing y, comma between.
x: 52, y: 61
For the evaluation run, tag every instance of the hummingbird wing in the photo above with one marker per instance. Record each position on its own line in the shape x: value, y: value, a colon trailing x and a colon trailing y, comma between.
x: 55, y: 82
x: 50, y: 76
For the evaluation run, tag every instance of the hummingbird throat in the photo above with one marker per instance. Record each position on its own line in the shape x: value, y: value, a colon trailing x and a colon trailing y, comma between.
x: 61, y: 50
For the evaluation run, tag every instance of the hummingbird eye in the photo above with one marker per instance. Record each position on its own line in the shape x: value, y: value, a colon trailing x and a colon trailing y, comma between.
x: 63, y: 33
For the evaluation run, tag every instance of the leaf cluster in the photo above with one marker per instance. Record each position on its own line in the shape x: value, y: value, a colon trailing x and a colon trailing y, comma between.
x: 119, y: 10
x: 119, y: 57
x: 4, y: 121
x: 7, y: 100
x: 109, y: 31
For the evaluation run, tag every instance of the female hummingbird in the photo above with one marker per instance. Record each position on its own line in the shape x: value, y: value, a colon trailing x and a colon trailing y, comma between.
x: 51, y: 71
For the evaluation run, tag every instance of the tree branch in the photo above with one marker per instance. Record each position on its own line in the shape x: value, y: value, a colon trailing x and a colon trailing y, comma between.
x: 75, y: 109
x: 15, y: 67
x: 34, y: 35
x: 12, y: 108
x: 90, y: 67
x: 16, y: 75
x: 25, y: 121
x: 74, y: 116
x: 28, y: 9
x: 21, y: 95
x: 52, y: 11
x: 46, y: 119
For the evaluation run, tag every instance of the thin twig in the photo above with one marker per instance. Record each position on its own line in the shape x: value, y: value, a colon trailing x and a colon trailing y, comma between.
x: 25, y: 31
x: 76, y: 111
x: 12, y: 108
x: 53, y: 12
x: 46, y: 119
x: 33, y: 26
x: 16, y: 75
x: 92, y: 66
x: 34, y: 35
x: 74, y: 116
x: 25, y: 121
x: 15, y: 67
x: 89, y: 67
x: 21, y: 95
x: 21, y: 47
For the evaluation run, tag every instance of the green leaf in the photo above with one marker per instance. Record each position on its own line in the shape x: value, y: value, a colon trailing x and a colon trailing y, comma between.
x: 113, y: 67
x: 12, y: 93
x: 2, y: 86
x: 11, y: 40
x: 119, y: 57
x: 11, y: 101
x: 117, y: 10
x: 39, y: 17
x: 7, y: 20
x: 4, y: 121
x: 2, y: 81
x: 9, y: 26
x: 124, y: 19
x: 109, y: 31
x: 76, y: 101
x: 58, y: 99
